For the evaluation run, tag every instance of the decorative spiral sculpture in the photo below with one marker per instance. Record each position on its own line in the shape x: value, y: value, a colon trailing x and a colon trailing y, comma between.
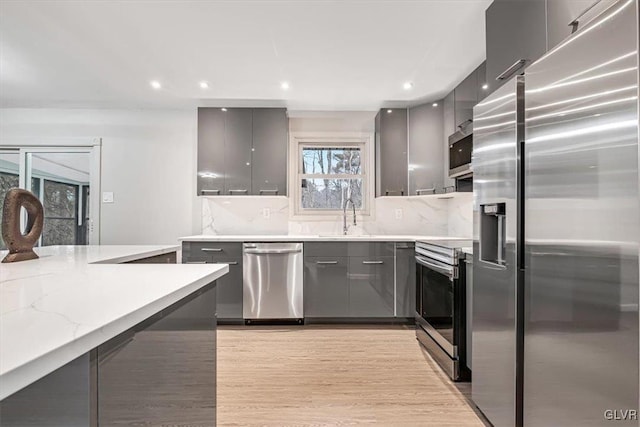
x: 21, y: 245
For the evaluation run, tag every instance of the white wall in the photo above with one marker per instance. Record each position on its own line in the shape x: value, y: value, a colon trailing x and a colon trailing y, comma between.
x: 148, y: 162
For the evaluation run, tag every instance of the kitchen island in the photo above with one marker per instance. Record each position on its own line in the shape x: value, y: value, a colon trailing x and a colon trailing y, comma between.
x: 88, y: 321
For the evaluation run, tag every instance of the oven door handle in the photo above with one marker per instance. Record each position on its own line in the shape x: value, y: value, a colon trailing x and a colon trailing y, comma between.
x: 448, y: 271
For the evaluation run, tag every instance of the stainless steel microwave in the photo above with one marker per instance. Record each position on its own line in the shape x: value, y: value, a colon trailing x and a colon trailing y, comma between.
x: 460, y: 151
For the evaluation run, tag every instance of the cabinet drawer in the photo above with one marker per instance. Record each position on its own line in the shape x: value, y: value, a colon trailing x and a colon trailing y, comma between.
x: 371, y: 249
x: 326, y: 287
x: 194, y: 251
x: 330, y: 249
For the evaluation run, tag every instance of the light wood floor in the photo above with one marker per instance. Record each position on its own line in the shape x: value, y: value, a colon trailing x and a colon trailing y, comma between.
x: 334, y: 376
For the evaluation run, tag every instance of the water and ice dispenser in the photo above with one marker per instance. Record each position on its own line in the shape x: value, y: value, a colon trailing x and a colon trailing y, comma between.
x: 493, y: 220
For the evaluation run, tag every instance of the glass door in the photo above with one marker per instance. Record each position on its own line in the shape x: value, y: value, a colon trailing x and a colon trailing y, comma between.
x: 9, y: 178
x: 61, y: 179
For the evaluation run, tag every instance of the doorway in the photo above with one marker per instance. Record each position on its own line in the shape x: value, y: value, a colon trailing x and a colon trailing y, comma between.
x: 66, y: 180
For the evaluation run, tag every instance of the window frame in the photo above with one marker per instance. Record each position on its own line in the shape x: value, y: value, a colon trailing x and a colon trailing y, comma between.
x: 300, y: 140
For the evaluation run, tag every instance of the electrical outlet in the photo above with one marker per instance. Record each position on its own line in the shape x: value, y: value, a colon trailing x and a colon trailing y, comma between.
x: 266, y: 213
x: 398, y: 213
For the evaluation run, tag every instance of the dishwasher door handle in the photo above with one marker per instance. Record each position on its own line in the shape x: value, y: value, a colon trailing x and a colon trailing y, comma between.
x: 272, y: 251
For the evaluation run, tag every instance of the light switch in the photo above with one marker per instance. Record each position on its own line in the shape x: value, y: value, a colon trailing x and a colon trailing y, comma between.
x: 107, y: 197
x: 398, y: 213
x: 266, y: 213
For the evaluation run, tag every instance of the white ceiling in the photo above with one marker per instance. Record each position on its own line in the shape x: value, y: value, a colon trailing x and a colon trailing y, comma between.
x: 336, y: 55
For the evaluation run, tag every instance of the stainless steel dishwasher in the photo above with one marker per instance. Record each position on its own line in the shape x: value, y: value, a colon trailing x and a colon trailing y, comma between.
x: 272, y: 282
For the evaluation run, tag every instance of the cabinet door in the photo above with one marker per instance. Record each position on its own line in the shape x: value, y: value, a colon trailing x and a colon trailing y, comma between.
x: 469, y: 306
x: 425, y: 148
x: 405, y: 298
x: 163, y: 370
x: 371, y: 284
x: 465, y: 98
x: 391, y: 152
x: 449, y: 128
x: 482, y: 85
x: 237, y: 149
x: 229, y: 291
x: 562, y: 12
x: 211, y: 163
x: 326, y: 287
x: 269, y: 156
x: 516, y: 31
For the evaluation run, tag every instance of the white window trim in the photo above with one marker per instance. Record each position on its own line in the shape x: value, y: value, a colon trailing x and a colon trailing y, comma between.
x: 338, y: 139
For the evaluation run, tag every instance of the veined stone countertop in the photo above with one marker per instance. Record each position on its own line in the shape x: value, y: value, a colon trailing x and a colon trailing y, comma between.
x: 74, y: 298
x: 312, y: 238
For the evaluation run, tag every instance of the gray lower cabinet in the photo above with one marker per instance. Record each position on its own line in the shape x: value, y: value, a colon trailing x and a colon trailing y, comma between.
x: 326, y: 287
x: 371, y: 287
x: 405, y: 280
x: 469, y: 313
x: 229, y: 287
x: 229, y: 291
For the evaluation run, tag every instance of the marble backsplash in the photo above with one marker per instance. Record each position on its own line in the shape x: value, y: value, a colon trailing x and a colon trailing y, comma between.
x: 425, y: 215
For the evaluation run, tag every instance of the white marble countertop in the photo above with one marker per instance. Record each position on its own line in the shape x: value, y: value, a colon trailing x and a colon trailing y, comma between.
x: 74, y: 298
x: 307, y: 238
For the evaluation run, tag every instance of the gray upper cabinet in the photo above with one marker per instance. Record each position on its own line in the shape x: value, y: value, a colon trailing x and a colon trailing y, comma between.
x: 269, y: 171
x: 465, y: 98
x: 515, y: 35
x: 562, y: 14
x: 238, y: 137
x: 211, y: 165
x: 482, y: 85
x: 242, y: 151
x: 449, y: 123
x: 426, y: 167
x: 391, y: 152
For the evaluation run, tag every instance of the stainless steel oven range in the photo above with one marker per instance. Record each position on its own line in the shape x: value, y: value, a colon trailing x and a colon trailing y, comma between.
x: 441, y: 304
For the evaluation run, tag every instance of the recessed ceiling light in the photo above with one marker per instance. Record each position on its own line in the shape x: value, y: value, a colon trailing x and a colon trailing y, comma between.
x: 485, y: 86
x: 223, y: 109
x: 204, y: 85
x: 435, y: 104
x: 155, y: 84
x: 389, y: 111
x: 407, y: 85
x: 284, y: 85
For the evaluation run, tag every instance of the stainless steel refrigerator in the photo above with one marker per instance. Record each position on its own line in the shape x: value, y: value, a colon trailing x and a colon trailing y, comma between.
x: 556, y: 235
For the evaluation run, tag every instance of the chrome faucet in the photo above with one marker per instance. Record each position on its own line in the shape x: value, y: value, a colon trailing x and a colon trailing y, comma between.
x: 345, y: 227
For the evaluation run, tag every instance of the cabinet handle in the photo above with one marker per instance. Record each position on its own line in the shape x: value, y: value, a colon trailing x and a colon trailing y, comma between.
x: 509, y: 71
x: 238, y: 191
x: 372, y: 262
x: 226, y: 262
x: 386, y: 193
x: 576, y: 21
x: 211, y: 249
x: 462, y: 126
x: 196, y: 262
x: 426, y: 190
x: 204, y: 192
x: 404, y: 247
x: 326, y: 262
x: 268, y: 191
